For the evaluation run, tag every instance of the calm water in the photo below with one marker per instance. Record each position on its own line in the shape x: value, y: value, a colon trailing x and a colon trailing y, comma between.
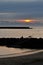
x: 5, y: 50
x: 14, y: 52
x: 4, y: 33
x: 17, y: 33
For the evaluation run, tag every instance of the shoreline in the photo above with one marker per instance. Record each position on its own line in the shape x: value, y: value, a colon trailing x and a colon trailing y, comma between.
x: 30, y: 54
x: 35, y: 59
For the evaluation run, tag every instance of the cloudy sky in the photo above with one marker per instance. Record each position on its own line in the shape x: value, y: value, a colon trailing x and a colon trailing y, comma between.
x: 18, y: 0
x: 12, y: 10
x: 22, y: 0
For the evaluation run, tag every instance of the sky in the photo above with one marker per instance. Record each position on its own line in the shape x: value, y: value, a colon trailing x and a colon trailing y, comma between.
x: 21, y: 0
x: 12, y: 10
x: 18, y: 0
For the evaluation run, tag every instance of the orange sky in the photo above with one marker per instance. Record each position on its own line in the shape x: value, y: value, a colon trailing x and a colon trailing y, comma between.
x: 27, y: 20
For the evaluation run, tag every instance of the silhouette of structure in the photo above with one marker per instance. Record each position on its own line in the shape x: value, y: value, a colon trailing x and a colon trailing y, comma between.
x: 30, y: 43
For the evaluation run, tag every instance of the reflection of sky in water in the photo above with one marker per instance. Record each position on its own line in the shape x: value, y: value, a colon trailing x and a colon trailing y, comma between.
x: 5, y: 50
x: 9, y: 52
x: 17, y: 33
x: 9, y: 11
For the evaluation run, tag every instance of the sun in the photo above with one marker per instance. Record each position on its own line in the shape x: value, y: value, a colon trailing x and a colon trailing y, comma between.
x: 27, y: 20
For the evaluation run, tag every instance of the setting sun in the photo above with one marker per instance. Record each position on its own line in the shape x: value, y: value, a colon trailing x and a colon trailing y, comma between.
x: 24, y: 20
x: 27, y: 20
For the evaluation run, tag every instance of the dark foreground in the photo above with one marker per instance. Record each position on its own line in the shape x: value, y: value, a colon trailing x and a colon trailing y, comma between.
x: 30, y: 43
x: 35, y: 59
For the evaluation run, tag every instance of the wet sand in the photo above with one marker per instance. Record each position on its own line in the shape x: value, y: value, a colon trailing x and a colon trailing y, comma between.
x: 35, y: 59
x: 22, y: 53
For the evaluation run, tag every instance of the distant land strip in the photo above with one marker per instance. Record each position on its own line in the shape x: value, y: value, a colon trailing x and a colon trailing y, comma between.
x: 15, y: 28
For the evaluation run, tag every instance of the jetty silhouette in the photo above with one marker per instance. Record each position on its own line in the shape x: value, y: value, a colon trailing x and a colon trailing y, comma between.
x: 15, y: 28
x: 28, y: 43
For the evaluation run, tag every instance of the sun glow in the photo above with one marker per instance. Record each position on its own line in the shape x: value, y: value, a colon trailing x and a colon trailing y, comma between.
x: 27, y: 20
x: 24, y: 20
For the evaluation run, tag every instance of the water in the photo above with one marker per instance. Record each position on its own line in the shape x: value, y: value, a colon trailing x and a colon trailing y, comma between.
x: 17, y: 33
x: 5, y: 50
x: 9, y: 52
x: 14, y: 52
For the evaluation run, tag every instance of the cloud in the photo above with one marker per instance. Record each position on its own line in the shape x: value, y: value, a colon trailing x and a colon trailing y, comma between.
x: 20, y: 0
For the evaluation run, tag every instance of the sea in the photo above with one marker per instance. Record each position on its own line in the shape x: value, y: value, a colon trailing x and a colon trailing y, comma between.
x: 18, y: 33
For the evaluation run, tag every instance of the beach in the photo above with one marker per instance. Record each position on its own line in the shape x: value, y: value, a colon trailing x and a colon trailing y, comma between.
x: 11, y: 56
x: 20, y: 56
x: 34, y: 59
